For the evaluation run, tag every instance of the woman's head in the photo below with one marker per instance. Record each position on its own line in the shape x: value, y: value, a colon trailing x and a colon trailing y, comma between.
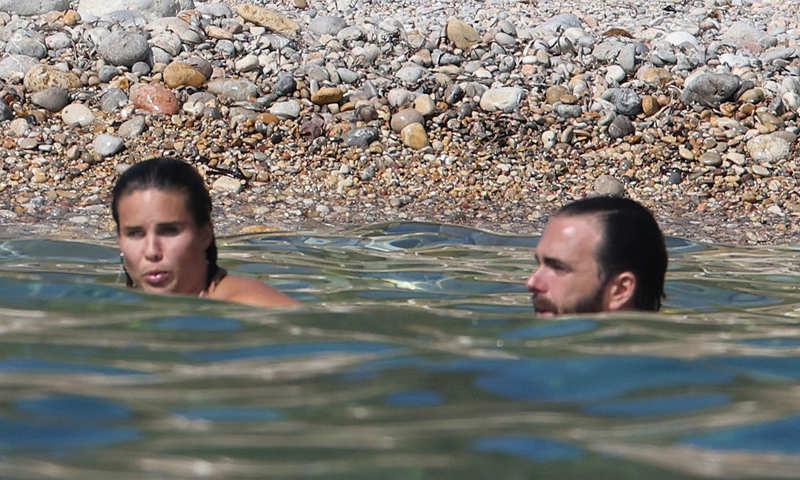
x: 166, y: 176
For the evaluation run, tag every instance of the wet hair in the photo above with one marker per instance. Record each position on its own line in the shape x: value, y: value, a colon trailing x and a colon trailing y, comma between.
x: 172, y: 175
x: 631, y: 241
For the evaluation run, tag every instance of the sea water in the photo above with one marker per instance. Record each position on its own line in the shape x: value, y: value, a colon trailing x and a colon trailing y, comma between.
x: 415, y: 354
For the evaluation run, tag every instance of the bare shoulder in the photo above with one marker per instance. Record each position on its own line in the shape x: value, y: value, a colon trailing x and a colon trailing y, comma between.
x: 251, y: 291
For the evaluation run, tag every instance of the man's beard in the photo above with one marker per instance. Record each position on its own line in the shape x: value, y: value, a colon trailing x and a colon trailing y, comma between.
x: 591, y: 303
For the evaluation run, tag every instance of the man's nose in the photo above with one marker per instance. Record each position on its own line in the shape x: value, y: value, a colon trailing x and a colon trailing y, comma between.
x: 533, y: 282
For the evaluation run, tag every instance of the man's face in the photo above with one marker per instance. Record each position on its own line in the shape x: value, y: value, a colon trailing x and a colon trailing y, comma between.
x: 568, y: 278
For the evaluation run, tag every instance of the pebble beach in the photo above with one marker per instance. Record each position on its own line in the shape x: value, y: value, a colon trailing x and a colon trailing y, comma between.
x: 322, y: 114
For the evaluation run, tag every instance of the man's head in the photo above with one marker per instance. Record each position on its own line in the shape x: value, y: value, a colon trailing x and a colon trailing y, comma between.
x: 599, y: 254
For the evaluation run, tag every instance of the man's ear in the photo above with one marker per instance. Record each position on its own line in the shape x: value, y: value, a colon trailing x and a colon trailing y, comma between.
x: 620, y: 290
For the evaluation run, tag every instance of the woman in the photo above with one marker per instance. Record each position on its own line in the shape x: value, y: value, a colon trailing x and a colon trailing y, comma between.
x: 163, y: 215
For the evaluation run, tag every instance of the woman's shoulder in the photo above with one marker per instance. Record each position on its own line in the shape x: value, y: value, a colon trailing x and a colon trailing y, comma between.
x: 250, y: 291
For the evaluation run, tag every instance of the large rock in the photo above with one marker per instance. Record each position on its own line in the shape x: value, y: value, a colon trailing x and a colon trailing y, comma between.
x: 327, y: 25
x: 710, y: 89
x: 266, y: 17
x: 155, y: 98
x: 26, y: 42
x: 125, y: 48
x: 233, y: 89
x: 179, y: 74
x: 461, y: 34
x: 505, y: 99
x: 91, y: 10
x: 626, y: 101
x: 16, y: 66
x: 41, y: 77
x: 772, y: 147
x: 33, y: 7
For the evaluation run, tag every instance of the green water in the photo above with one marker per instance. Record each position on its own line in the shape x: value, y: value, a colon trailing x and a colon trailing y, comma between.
x: 415, y: 355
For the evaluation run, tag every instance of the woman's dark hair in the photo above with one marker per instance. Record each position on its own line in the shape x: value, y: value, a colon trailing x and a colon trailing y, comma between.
x: 172, y: 175
x: 632, y: 241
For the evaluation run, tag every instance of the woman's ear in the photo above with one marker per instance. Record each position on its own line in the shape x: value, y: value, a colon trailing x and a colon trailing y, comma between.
x: 620, y: 290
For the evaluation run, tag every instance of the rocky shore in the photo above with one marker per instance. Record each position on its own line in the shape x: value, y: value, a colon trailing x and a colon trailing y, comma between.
x: 319, y: 114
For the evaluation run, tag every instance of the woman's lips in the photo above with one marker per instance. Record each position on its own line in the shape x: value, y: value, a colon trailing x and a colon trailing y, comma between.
x: 156, y: 278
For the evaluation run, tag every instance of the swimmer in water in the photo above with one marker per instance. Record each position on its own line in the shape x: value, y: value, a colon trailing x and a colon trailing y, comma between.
x: 599, y: 254
x: 162, y: 211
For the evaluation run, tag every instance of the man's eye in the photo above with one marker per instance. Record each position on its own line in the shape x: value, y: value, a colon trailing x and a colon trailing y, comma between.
x: 134, y: 233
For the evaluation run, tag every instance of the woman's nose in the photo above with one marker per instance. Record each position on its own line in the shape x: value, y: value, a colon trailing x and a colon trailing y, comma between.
x: 152, y: 248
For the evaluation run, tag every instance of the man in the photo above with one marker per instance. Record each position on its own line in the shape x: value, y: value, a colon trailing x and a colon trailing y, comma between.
x: 599, y: 254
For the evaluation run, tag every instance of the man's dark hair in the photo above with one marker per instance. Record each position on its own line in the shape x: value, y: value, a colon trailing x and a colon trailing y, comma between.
x: 631, y: 241
x: 169, y: 174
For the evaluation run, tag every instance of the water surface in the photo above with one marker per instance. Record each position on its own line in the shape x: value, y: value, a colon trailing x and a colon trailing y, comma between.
x: 415, y: 355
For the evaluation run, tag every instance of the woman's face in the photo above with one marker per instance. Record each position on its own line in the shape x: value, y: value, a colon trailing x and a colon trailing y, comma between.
x: 165, y: 251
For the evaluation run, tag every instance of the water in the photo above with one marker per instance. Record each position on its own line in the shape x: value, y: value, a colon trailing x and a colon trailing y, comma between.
x: 415, y: 355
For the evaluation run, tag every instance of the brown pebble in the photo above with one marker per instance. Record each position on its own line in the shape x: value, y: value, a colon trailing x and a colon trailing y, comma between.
x: 155, y: 98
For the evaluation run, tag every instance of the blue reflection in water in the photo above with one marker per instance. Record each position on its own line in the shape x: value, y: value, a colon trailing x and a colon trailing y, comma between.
x: 779, y: 436
x: 702, y: 297
x: 291, y: 349
x: 771, y: 342
x: 61, y: 422
x: 589, y: 379
x: 530, y: 447
x: 80, y: 408
x: 414, y: 398
x: 34, y: 365
x: 761, y: 367
x: 658, y: 405
x: 552, y: 329
x: 196, y: 323
x: 42, y: 250
x: 229, y: 414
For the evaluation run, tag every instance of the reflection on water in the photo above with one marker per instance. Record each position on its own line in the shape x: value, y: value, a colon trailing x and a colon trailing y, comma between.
x: 415, y: 355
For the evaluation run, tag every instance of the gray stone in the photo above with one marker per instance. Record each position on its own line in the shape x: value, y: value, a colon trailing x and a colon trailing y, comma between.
x: 287, y: 109
x: 132, y: 128
x: 169, y: 42
x: 779, y: 53
x: 733, y: 60
x: 348, y: 76
x: 563, y: 21
x: 711, y: 159
x: 327, y: 25
x: 680, y: 38
x: 233, y: 89
x: 113, y: 99
x: 744, y: 34
x: 140, y: 68
x: 225, y: 47
x: 26, y: 42
x: 564, y: 110
x: 399, y: 97
x: 772, y: 147
x: 183, y: 29
x: 225, y: 184
x: 19, y: 127
x: 5, y: 112
x: 106, y: 145
x: 285, y: 85
x: 124, y: 48
x: 405, y: 117
x: 106, y: 73
x: 214, y: 9
x: 361, y: 136
x: 620, y: 127
x: 52, y: 99
x: 58, y: 41
x: 91, y: 10
x: 411, y: 73
x: 626, y: 101
x: 710, y: 89
x: 505, y: 99
x: 16, y: 66
x: 32, y: 7
x: 608, y: 185
x: 77, y: 114
x: 615, y: 75
x: 199, y: 101
x: 350, y: 34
